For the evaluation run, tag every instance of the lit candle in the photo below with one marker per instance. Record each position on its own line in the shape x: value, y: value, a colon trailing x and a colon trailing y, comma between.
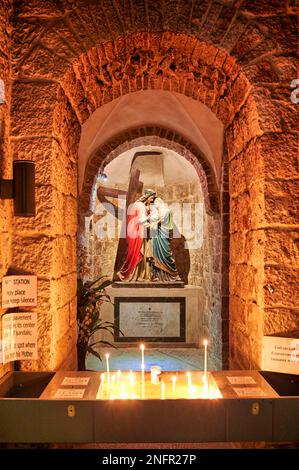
x: 108, y: 371
x: 189, y: 379
x: 131, y: 379
x: 102, y: 385
x: 206, y: 359
x: 163, y: 390
x: 118, y: 377
x: 123, y: 393
x: 142, y: 356
x: 173, y: 383
x: 113, y: 377
x: 142, y: 371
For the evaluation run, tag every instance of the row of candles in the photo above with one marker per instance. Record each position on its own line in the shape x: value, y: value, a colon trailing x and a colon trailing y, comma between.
x: 205, y: 343
x: 111, y: 379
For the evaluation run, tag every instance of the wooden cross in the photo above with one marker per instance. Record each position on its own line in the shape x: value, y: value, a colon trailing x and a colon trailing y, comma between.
x: 135, y: 187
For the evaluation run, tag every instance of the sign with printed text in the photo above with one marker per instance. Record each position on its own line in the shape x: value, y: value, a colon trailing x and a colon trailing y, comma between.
x: 240, y: 380
x: 75, y: 381
x: 19, y: 336
x: 280, y: 354
x: 19, y: 291
x: 69, y: 393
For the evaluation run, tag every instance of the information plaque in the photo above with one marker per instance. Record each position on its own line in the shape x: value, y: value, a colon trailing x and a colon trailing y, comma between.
x: 160, y: 319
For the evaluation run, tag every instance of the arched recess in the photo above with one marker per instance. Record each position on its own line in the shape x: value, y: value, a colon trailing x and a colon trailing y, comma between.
x: 254, y: 118
x: 214, y: 268
x: 151, y: 135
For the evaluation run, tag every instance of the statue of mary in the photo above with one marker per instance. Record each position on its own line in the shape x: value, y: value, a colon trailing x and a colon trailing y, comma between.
x: 161, y: 226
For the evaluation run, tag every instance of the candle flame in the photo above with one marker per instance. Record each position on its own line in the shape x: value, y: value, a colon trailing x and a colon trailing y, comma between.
x: 142, y: 347
x: 163, y: 390
x: 205, y: 342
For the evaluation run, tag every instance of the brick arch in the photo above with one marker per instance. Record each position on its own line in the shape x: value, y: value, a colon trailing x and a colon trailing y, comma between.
x: 160, y: 61
x: 53, y: 33
x: 151, y: 135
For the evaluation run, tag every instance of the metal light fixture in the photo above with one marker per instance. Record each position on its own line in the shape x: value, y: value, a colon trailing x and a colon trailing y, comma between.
x: 21, y: 188
x: 102, y: 176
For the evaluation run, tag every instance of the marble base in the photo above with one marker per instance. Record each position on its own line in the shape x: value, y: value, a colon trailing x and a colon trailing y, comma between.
x: 191, y: 296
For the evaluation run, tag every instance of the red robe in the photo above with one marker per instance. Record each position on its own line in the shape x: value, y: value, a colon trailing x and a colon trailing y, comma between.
x: 134, y: 236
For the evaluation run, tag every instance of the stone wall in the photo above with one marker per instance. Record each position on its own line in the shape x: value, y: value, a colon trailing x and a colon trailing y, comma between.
x: 242, y: 59
x: 264, y: 245
x: 45, y: 245
x: 6, y: 205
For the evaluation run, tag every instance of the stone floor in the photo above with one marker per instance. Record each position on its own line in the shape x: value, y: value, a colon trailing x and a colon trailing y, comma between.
x: 176, y: 359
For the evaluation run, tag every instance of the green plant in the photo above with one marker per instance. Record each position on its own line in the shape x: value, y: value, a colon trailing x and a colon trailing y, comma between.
x: 90, y: 297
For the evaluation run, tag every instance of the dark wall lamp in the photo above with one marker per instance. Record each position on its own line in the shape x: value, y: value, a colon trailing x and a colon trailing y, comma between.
x: 21, y: 188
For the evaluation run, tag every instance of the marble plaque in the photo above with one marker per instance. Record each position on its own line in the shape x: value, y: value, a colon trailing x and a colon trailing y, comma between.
x: 151, y: 319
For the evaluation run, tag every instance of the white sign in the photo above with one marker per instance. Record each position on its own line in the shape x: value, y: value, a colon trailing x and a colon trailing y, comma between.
x: 19, y: 336
x: 280, y: 354
x: 69, y: 393
x: 75, y: 381
x: 249, y: 392
x: 241, y: 380
x: 19, y: 291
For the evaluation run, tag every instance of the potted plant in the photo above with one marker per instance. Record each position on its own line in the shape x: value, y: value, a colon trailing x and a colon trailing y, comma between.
x: 90, y: 297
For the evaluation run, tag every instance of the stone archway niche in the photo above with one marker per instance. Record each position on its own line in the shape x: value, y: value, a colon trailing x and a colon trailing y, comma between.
x: 185, y: 116
x: 177, y: 182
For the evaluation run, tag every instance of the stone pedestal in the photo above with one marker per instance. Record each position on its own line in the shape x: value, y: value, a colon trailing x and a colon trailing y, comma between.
x: 161, y: 316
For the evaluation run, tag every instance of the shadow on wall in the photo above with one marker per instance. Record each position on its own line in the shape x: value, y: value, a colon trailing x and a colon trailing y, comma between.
x: 181, y: 255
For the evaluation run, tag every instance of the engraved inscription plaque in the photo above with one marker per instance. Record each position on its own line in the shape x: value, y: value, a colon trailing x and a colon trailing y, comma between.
x: 149, y: 319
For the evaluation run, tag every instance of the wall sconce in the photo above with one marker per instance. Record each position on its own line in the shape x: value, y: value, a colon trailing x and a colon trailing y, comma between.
x: 102, y: 176
x: 21, y: 188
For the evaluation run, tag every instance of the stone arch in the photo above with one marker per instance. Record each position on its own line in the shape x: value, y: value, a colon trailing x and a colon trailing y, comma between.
x: 96, y: 249
x: 152, y: 135
x: 159, y: 61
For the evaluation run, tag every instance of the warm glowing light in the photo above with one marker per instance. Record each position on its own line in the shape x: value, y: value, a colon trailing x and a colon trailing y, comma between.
x: 102, y: 385
x: 137, y: 385
x: 142, y: 372
x: 142, y: 356
x: 205, y: 343
x: 123, y: 392
x: 173, y: 379
x: 192, y: 391
x: 131, y: 378
x: 107, y: 355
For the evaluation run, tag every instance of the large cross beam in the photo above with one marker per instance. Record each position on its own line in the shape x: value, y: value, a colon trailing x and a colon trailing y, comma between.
x: 135, y: 187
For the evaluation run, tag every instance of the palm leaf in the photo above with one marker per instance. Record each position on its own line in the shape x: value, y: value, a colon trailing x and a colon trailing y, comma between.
x: 93, y: 352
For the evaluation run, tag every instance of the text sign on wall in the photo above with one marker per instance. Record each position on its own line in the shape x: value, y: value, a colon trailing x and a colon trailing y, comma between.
x: 280, y: 354
x: 19, y: 291
x: 19, y: 336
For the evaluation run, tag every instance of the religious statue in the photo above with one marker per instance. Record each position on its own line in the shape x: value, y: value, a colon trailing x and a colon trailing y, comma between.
x: 149, y: 256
